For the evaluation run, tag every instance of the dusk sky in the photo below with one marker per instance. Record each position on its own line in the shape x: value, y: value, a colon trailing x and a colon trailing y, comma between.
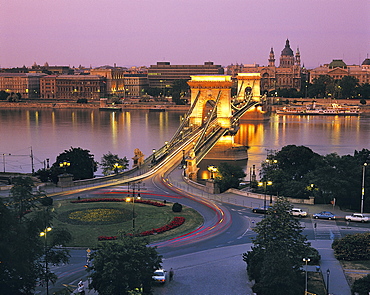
x: 143, y: 32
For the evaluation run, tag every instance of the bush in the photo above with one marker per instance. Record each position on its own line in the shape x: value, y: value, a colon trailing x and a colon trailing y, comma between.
x: 46, y: 201
x: 82, y: 100
x: 363, y: 101
x: 352, y: 247
x: 361, y: 286
x: 177, y: 207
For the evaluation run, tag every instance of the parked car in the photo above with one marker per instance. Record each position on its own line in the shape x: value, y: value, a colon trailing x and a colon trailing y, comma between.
x: 324, y: 215
x: 357, y: 217
x: 262, y: 209
x: 159, y: 276
x: 298, y: 212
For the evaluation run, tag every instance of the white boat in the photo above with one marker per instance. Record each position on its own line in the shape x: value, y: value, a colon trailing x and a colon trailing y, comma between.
x: 332, y: 109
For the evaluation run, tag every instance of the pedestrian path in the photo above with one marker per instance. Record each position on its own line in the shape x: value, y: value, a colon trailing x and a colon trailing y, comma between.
x: 326, y: 230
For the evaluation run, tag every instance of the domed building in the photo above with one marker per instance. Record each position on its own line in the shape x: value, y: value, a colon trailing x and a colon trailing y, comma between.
x: 288, y: 74
x: 338, y: 69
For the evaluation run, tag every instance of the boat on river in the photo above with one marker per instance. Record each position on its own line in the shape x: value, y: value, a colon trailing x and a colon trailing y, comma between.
x: 332, y: 109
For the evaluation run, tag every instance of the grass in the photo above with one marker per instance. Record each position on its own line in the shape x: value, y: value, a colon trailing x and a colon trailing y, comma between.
x: 355, y: 270
x: 315, y: 283
x: 91, y: 220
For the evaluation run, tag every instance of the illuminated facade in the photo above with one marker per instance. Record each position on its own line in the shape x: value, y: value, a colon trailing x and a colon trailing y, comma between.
x: 73, y: 87
x: 288, y: 74
x: 338, y: 69
x: 163, y: 74
x: 135, y: 84
x: 114, y: 77
x: 27, y: 84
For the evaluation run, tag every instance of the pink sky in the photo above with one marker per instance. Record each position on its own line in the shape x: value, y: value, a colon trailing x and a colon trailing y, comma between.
x: 142, y: 32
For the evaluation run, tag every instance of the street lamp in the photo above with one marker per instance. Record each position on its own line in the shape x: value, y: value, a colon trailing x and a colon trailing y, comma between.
x: 213, y: 170
x: 44, y: 234
x: 4, y: 159
x: 115, y: 167
x: 363, y: 187
x: 307, y: 260
x: 128, y: 199
x: 264, y: 184
x: 153, y: 159
x: 327, y: 281
x: 64, y: 165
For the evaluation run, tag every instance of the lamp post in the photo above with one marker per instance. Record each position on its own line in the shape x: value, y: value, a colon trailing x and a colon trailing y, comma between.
x: 271, y: 162
x: 128, y: 199
x: 153, y: 159
x: 327, y: 280
x: 363, y: 187
x: 264, y: 184
x: 212, y: 169
x: 115, y: 167
x: 307, y: 260
x: 4, y: 160
x: 64, y: 165
x: 44, y: 234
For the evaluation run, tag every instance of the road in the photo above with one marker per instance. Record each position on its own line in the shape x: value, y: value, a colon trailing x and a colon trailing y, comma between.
x: 209, y: 260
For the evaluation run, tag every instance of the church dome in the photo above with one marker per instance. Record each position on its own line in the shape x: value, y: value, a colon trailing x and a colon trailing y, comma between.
x: 337, y: 63
x: 366, y: 62
x: 287, y: 50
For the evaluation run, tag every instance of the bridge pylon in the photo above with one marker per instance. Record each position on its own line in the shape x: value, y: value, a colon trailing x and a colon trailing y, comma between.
x: 249, y: 85
x: 211, y: 88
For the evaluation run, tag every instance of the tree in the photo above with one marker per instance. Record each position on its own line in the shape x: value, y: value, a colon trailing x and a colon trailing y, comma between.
x: 322, y: 86
x: 22, y: 195
x: 229, y: 176
x: 361, y: 286
x: 277, y: 252
x: 352, y: 247
x: 82, y: 164
x: 124, y: 266
x: 348, y: 86
x: 22, y: 250
x: 179, y: 90
x: 111, y: 162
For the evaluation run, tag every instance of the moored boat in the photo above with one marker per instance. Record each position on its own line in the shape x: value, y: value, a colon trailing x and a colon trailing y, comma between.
x: 333, y: 109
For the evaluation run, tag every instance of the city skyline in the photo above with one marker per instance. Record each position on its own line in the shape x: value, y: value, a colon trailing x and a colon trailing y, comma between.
x: 143, y: 32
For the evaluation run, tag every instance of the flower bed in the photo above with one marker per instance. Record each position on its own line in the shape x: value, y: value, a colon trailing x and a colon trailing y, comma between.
x: 176, y: 222
x: 141, y: 201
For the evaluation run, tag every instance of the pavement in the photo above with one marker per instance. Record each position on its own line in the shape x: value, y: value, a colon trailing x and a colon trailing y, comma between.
x: 228, y: 270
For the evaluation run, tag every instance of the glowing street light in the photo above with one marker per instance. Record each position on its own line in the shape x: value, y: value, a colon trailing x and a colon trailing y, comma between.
x: 64, y: 165
x: 44, y: 234
x: 129, y: 199
x: 212, y: 169
x: 265, y: 184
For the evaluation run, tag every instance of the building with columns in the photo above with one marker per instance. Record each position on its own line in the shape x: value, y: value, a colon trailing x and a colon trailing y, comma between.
x: 288, y: 74
x: 338, y: 69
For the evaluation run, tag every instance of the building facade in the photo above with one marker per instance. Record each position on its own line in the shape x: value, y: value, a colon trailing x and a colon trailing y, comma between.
x: 73, y: 87
x: 114, y: 77
x: 338, y: 69
x: 26, y: 84
x: 163, y: 74
x: 288, y: 74
x: 135, y: 84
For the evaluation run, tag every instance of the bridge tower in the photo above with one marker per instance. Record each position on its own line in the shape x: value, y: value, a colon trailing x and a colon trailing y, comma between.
x: 249, y: 84
x: 211, y: 88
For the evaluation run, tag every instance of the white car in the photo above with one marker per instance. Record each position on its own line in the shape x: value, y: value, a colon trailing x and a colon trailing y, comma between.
x: 159, y: 276
x: 357, y: 217
x: 298, y: 212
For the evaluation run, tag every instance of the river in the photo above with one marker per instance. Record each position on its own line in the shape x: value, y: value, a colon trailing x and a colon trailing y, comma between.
x: 49, y: 132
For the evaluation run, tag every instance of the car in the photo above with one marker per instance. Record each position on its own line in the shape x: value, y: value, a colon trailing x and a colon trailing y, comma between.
x: 298, y: 212
x: 324, y: 215
x: 159, y: 276
x: 359, y: 217
x: 262, y: 209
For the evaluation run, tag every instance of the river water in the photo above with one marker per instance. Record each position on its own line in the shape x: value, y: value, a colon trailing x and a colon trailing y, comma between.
x: 49, y: 132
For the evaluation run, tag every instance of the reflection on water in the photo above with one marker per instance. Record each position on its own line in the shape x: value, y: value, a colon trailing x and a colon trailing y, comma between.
x: 50, y: 132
